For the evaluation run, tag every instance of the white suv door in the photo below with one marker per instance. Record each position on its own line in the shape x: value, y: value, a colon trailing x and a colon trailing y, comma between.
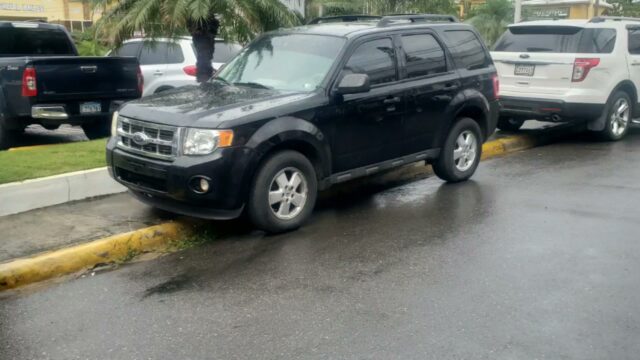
x: 633, y: 54
x: 153, y: 63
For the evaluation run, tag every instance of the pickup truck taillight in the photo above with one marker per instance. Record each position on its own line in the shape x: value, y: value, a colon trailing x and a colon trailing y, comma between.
x: 140, y: 80
x: 29, y: 86
x: 582, y: 66
x: 190, y: 70
x: 496, y: 86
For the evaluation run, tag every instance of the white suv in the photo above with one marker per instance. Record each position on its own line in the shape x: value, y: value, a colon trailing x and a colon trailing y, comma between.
x: 171, y: 63
x: 570, y: 70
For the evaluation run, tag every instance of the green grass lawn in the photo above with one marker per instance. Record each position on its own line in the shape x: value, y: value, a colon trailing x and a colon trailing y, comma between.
x: 31, y: 163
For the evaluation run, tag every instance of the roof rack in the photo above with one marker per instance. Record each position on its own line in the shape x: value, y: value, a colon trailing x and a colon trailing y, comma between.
x: 599, y: 19
x: 343, y: 18
x: 416, y: 18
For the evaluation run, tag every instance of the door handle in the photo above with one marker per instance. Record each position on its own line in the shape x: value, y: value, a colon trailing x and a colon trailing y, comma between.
x: 635, y: 63
x: 158, y: 73
x: 392, y: 100
x: 450, y: 87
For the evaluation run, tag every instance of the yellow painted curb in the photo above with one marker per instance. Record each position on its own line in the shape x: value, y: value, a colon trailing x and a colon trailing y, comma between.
x: 116, y: 248
x: 506, y: 145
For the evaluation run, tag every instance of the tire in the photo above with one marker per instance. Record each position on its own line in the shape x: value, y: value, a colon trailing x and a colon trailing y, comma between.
x: 97, y: 129
x: 617, y: 122
x: 464, y: 140
x: 509, y: 123
x: 286, y: 214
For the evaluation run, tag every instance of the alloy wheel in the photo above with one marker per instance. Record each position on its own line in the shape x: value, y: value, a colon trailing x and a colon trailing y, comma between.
x: 288, y: 193
x: 464, y: 153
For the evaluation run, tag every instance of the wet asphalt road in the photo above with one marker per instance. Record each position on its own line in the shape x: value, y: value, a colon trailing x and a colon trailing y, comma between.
x: 536, y: 258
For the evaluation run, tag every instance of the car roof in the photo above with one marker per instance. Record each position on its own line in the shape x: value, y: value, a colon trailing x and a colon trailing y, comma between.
x: 354, y: 29
x: 177, y: 38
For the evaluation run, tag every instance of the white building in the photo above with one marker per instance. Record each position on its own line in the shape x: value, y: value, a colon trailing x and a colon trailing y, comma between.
x: 296, y: 5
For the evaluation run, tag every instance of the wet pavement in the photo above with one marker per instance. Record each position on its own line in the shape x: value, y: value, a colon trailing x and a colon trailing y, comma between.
x: 537, y: 257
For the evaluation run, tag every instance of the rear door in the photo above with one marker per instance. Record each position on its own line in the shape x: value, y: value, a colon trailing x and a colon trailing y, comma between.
x: 536, y: 60
x: 153, y: 62
x: 430, y: 84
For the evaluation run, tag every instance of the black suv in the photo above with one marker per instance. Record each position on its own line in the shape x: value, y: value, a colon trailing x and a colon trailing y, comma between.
x: 301, y: 109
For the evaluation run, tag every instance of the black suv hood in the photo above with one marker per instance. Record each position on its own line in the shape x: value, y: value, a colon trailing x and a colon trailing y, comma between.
x: 209, y: 105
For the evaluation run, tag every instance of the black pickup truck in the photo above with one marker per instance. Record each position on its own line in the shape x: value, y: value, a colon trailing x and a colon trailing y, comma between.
x: 44, y: 81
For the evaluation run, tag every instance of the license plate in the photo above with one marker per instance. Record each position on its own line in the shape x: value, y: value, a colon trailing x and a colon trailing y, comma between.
x: 90, y: 108
x: 524, y: 70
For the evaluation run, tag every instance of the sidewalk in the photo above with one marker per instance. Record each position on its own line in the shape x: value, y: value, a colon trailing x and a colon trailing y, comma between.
x: 63, y: 225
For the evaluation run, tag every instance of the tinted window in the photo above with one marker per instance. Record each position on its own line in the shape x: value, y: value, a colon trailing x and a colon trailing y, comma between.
x: 34, y: 41
x: 153, y: 53
x: 375, y: 58
x: 467, y: 50
x: 130, y: 49
x: 597, y: 41
x: 634, y: 41
x: 225, y: 52
x: 557, y: 39
x: 174, y: 54
x: 424, y: 55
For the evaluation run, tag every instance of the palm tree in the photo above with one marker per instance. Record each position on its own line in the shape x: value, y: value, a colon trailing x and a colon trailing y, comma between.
x: 239, y: 20
x: 491, y: 19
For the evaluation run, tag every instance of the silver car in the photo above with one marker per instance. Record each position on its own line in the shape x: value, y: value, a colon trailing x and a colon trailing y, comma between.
x: 171, y: 63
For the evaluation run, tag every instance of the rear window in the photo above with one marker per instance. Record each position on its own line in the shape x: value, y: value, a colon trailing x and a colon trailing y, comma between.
x: 34, y: 42
x: 557, y: 39
x: 467, y: 51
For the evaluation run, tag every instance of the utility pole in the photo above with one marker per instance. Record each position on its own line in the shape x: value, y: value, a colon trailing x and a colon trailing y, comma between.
x: 517, y: 15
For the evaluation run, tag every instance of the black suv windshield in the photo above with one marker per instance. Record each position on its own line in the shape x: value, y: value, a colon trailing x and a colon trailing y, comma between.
x: 557, y: 39
x: 291, y: 62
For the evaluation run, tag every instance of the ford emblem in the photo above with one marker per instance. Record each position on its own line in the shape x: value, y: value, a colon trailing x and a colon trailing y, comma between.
x: 141, y: 138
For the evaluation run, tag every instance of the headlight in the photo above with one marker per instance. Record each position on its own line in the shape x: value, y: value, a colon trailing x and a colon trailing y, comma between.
x: 205, y: 141
x: 114, y: 124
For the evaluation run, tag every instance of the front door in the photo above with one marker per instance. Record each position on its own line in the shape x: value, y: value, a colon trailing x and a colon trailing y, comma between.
x: 430, y: 88
x: 633, y: 58
x: 369, y: 127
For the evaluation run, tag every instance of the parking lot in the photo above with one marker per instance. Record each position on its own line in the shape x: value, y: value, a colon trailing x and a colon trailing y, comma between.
x: 536, y: 257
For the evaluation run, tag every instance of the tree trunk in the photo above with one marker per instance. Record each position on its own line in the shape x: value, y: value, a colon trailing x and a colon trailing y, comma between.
x: 203, y: 35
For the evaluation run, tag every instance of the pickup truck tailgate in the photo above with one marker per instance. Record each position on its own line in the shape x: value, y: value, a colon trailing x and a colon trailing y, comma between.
x: 69, y: 78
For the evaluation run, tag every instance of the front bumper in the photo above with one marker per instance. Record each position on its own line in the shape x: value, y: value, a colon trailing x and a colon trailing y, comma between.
x: 168, y: 185
x: 549, y: 110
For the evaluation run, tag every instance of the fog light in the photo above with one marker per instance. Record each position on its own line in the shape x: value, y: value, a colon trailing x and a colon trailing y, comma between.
x: 204, y: 185
x: 200, y: 184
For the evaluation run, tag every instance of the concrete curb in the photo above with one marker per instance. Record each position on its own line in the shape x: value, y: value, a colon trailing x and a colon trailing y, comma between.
x: 114, y: 249
x: 33, y: 194
x: 123, y: 247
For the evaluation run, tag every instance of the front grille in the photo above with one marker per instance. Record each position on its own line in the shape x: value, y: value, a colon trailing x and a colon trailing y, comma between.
x: 148, y: 139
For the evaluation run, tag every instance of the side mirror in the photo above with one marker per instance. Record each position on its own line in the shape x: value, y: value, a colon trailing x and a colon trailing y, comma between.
x: 354, y: 84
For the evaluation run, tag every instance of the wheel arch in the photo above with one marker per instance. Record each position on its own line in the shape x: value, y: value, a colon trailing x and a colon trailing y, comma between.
x: 290, y: 133
x: 627, y: 86
x: 475, y: 106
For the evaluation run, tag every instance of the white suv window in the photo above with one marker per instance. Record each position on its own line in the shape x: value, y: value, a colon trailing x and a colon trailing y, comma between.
x: 557, y: 39
x: 634, y: 41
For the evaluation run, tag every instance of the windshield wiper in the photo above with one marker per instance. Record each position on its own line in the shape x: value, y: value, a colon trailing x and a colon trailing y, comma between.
x: 253, y: 85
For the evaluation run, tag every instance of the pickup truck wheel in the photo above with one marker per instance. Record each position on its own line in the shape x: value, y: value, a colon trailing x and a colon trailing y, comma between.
x: 461, y: 152
x: 618, y: 117
x: 97, y: 129
x: 283, y: 193
x: 7, y: 136
x: 509, y: 123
